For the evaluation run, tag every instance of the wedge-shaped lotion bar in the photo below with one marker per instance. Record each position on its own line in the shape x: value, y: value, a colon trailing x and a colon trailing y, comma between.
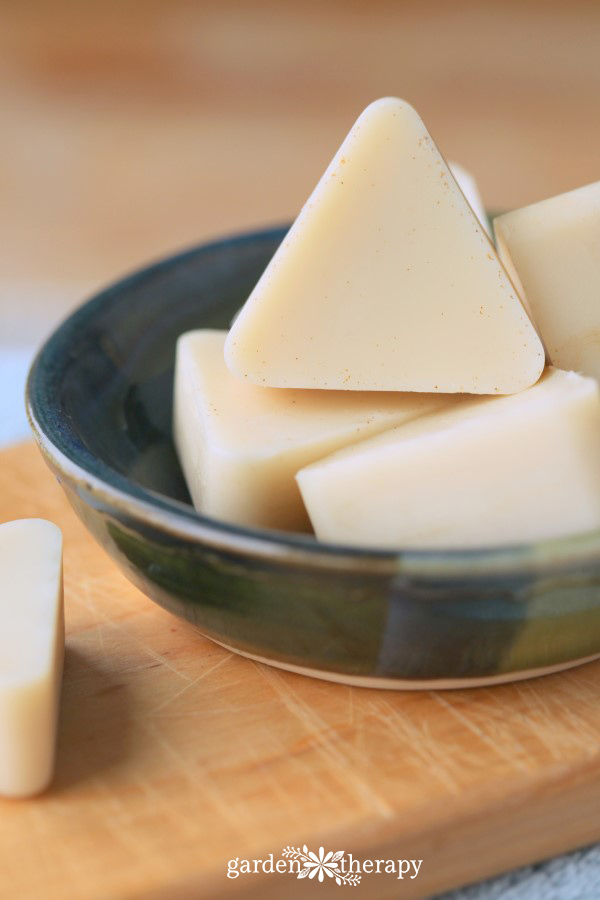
x: 386, y: 280
x: 488, y: 472
x: 31, y: 653
x: 240, y: 446
x: 554, y: 249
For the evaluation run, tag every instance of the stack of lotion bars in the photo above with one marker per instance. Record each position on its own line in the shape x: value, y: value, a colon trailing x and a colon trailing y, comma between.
x: 386, y: 381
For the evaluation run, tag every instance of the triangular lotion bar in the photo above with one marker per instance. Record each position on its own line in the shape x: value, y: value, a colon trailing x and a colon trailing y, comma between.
x: 386, y: 280
x: 31, y: 653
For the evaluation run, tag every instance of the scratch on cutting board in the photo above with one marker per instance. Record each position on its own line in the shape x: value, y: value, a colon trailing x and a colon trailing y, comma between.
x: 576, y: 677
x: 134, y: 842
x: 402, y: 727
x: 232, y: 813
x: 351, y: 710
x: 297, y: 759
x: 75, y: 596
x: 257, y: 762
x: 316, y: 726
x: 120, y: 823
x: 497, y: 746
x: 580, y: 730
x: 542, y: 721
x: 539, y: 711
x: 533, y: 699
x: 512, y: 714
x: 199, y: 713
x: 192, y: 684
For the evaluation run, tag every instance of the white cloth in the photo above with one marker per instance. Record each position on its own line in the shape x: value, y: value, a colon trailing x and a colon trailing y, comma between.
x: 572, y: 877
x: 14, y: 365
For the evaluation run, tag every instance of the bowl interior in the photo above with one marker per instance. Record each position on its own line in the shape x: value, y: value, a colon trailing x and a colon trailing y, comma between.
x: 110, y: 369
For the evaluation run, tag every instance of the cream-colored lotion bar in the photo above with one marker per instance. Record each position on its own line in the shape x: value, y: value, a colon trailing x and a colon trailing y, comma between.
x: 554, y: 249
x: 468, y: 185
x: 386, y: 280
x: 240, y: 446
x: 488, y: 472
x: 31, y: 653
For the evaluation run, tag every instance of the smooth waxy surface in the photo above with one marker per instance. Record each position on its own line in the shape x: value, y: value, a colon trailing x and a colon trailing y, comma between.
x: 386, y: 281
x: 554, y: 248
x: 31, y: 653
x: 240, y: 445
x: 491, y: 471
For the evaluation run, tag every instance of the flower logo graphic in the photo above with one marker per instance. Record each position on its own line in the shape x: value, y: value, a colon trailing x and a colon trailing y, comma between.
x: 321, y: 865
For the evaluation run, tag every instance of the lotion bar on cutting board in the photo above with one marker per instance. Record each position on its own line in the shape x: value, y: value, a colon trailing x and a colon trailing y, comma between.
x: 240, y: 446
x: 487, y: 472
x: 31, y: 653
x: 554, y: 248
x: 386, y: 280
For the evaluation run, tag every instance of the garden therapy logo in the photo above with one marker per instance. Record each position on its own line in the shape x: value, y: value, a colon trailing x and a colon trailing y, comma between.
x: 322, y: 866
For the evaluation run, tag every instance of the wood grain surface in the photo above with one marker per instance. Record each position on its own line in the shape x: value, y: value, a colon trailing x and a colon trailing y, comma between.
x: 176, y: 756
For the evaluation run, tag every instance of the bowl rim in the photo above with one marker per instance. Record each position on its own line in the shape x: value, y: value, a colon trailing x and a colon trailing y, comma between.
x: 57, y: 437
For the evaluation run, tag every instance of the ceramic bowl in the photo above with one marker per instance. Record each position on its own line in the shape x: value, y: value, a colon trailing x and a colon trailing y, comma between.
x: 99, y: 401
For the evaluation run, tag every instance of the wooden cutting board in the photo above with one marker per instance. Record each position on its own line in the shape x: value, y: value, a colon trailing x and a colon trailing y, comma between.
x: 176, y: 756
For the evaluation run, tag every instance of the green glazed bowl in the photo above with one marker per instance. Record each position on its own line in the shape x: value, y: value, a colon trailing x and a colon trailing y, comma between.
x: 99, y: 402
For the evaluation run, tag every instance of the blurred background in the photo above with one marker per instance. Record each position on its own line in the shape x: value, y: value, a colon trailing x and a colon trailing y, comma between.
x: 132, y: 128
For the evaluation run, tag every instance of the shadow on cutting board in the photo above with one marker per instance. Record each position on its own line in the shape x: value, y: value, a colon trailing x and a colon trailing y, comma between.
x: 95, y: 722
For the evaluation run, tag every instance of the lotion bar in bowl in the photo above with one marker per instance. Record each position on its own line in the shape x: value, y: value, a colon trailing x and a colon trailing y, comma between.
x: 554, y: 249
x: 240, y: 446
x: 386, y: 280
x: 31, y: 653
x: 488, y: 472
